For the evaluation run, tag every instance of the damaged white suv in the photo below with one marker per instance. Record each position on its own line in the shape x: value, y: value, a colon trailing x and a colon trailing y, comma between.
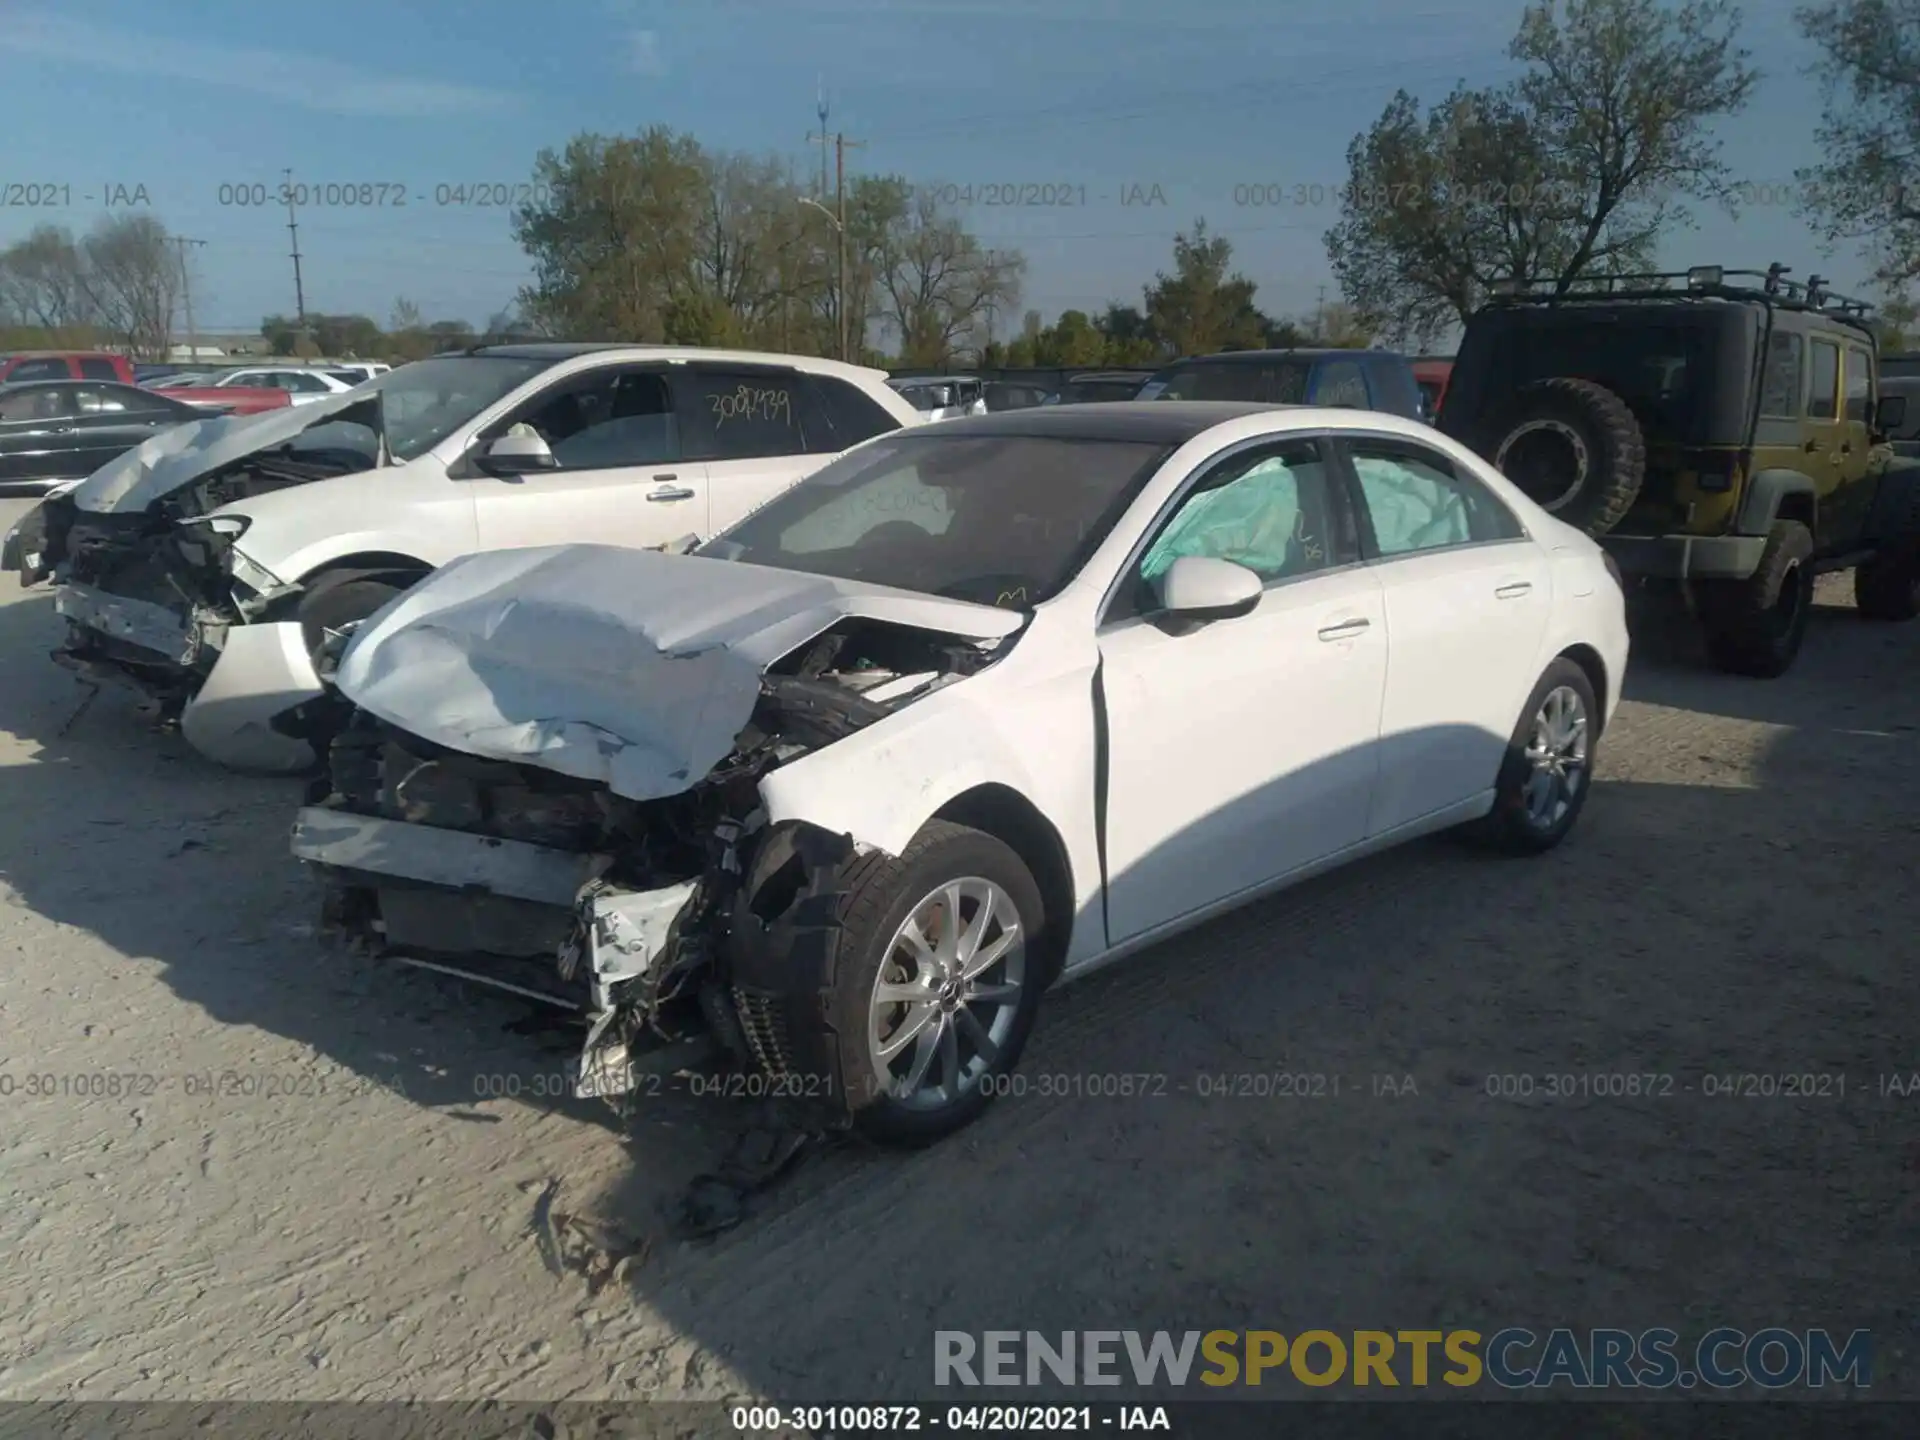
x: 206, y: 567
x: 978, y: 706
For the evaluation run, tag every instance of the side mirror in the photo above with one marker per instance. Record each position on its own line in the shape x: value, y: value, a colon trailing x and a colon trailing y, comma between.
x: 1198, y: 587
x: 515, y: 455
x: 1889, y: 413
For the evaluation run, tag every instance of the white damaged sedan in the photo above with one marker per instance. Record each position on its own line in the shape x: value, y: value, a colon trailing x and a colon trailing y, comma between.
x: 974, y: 709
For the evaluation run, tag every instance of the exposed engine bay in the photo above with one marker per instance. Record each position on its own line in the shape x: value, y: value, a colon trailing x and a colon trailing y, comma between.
x: 664, y: 919
x: 149, y: 593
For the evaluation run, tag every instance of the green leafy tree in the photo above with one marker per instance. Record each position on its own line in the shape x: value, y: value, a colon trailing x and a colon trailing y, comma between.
x: 1868, y: 189
x: 1575, y: 169
x: 1203, y: 306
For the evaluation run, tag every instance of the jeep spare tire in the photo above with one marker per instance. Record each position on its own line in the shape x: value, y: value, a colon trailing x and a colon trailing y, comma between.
x: 1574, y: 449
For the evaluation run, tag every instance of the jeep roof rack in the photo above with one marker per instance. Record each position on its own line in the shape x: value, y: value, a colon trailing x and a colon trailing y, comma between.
x: 1702, y: 282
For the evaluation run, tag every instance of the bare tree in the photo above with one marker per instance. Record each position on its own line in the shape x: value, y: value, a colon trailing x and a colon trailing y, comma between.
x: 132, y: 275
x: 939, y: 283
x: 43, y: 281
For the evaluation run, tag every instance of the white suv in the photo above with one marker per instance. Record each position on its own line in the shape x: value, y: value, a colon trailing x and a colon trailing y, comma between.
x: 219, y: 616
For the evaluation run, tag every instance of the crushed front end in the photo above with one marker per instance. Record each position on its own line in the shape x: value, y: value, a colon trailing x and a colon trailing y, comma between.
x: 665, y: 921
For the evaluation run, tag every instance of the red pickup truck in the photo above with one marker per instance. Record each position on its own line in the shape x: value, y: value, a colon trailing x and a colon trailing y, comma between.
x: 232, y: 399
x: 26, y: 365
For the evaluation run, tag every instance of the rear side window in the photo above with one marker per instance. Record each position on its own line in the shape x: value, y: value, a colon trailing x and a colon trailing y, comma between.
x: 50, y: 402
x: 1340, y: 383
x: 1780, y: 392
x: 1414, y: 499
x: 1859, y: 385
x: 55, y: 369
x: 1280, y: 383
x: 839, y: 415
x: 740, y: 415
x: 1823, y: 395
x: 98, y: 367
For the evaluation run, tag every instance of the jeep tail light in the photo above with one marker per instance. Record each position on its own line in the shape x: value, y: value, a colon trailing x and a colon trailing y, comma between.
x: 1718, y: 472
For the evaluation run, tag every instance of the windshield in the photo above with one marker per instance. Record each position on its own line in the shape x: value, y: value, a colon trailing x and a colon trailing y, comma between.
x: 1658, y: 369
x: 1270, y: 382
x: 423, y: 403
x: 1000, y: 520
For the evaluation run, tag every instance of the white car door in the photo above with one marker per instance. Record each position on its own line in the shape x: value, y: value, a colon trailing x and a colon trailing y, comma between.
x: 1246, y: 748
x: 621, y: 477
x: 758, y: 431
x: 1468, y: 598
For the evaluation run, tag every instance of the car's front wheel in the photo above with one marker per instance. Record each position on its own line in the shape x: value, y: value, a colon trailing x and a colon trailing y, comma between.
x: 938, y: 980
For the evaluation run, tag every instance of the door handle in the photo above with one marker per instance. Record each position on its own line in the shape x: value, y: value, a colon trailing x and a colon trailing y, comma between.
x: 1847, y: 448
x: 1811, y: 447
x: 1346, y: 629
x: 670, y: 492
x: 1514, y: 590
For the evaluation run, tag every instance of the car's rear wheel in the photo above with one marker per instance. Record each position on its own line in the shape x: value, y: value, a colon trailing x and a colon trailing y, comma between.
x: 1548, y: 769
x: 1756, y: 626
x: 936, y: 983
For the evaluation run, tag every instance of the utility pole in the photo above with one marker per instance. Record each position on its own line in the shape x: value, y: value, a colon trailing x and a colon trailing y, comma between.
x: 838, y: 215
x: 820, y: 107
x: 1320, y: 314
x: 993, y: 278
x: 293, y: 229
x: 186, y: 294
x: 840, y: 144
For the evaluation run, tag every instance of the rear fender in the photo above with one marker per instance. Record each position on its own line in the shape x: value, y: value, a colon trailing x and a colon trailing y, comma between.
x: 1760, y: 506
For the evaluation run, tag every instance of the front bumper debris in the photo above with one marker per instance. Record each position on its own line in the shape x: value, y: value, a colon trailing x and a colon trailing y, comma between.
x: 263, y: 673
x: 171, y: 639
x: 450, y: 889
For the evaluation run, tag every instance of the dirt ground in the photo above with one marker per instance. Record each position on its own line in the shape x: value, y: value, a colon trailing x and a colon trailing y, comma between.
x: 313, y: 1194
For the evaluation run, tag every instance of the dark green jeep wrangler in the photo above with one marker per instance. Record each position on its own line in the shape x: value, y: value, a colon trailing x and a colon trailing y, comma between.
x: 1720, y: 428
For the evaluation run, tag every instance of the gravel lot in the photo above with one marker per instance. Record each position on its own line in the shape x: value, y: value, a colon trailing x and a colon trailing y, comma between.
x: 1740, y: 897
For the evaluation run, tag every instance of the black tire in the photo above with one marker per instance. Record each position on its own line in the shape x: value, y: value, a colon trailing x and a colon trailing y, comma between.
x: 1756, y: 626
x: 332, y: 602
x: 1510, y: 826
x: 1573, y: 447
x: 830, y: 969
x: 1887, y: 587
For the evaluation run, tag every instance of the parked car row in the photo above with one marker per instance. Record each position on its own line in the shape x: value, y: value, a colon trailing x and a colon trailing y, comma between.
x: 729, y: 698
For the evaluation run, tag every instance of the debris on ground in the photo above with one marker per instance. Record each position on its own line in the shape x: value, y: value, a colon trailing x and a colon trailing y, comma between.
x: 596, y: 1250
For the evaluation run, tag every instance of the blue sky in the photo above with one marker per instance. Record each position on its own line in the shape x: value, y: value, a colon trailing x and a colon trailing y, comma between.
x: 1107, y: 97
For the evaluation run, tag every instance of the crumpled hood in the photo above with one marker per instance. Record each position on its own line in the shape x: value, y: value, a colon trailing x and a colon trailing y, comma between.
x: 633, y: 668
x: 176, y: 458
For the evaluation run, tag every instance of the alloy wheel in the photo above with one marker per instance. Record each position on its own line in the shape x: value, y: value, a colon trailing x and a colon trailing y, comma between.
x: 948, y: 993
x: 1556, y: 756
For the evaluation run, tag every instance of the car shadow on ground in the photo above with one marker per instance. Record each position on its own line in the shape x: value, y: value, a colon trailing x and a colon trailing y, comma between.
x: 175, y: 861
x: 1314, y: 1135
x: 1833, y: 685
